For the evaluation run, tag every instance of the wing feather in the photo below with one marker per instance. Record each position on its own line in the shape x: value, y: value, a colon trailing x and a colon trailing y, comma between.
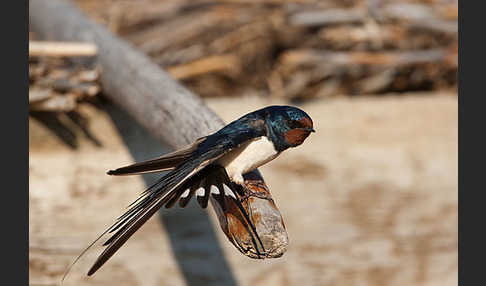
x: 163, y: 163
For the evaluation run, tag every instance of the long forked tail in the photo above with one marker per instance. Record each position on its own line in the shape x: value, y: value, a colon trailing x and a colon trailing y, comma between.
x: 138, y: 213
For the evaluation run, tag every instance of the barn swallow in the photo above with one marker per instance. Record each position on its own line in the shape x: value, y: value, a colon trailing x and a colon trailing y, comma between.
x: 213, y: 165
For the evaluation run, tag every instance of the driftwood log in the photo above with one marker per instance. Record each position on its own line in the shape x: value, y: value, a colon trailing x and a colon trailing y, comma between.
x: 206, y: 54
x: 168, y: 110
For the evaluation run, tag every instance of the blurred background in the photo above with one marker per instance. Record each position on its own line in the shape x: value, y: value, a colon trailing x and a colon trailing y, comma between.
x: 369, y: 199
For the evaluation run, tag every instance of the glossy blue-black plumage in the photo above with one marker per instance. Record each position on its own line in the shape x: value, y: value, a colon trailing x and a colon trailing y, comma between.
x: 272, y: 121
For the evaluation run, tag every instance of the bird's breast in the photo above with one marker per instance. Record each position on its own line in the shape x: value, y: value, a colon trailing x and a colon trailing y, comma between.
x: 248, y: 156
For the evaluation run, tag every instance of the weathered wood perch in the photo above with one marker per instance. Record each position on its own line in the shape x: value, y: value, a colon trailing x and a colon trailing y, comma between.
x: 168, y: 110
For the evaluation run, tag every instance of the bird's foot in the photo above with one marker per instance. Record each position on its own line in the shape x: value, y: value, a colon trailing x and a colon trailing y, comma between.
x: 254, y: 188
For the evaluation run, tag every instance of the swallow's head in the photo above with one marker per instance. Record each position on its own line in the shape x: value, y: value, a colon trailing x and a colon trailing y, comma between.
x: 290, y: 125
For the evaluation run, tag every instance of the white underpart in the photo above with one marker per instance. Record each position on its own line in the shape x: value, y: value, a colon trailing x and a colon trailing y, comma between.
x: 214, y: 190
x: 248, y: 157
x: 228, y: 191
x: 200, y: 192
x: 185, y: 193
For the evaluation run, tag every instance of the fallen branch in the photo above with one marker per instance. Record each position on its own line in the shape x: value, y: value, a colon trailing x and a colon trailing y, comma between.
x: 56, y: 102
x: 326, y: 17
x: 37, y: 94
x: 61, y: 49
x: 205, y: 65
x: 316, y: 57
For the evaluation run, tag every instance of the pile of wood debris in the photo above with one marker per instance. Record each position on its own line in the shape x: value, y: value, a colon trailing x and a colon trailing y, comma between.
x: 61, y: 75
x: 296, y: 49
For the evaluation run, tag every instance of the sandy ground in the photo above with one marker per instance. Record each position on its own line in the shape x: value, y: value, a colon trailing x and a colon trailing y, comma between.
x: 370, y: 199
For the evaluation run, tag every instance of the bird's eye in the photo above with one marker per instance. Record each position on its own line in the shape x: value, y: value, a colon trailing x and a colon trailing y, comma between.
x: 295, y: 124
